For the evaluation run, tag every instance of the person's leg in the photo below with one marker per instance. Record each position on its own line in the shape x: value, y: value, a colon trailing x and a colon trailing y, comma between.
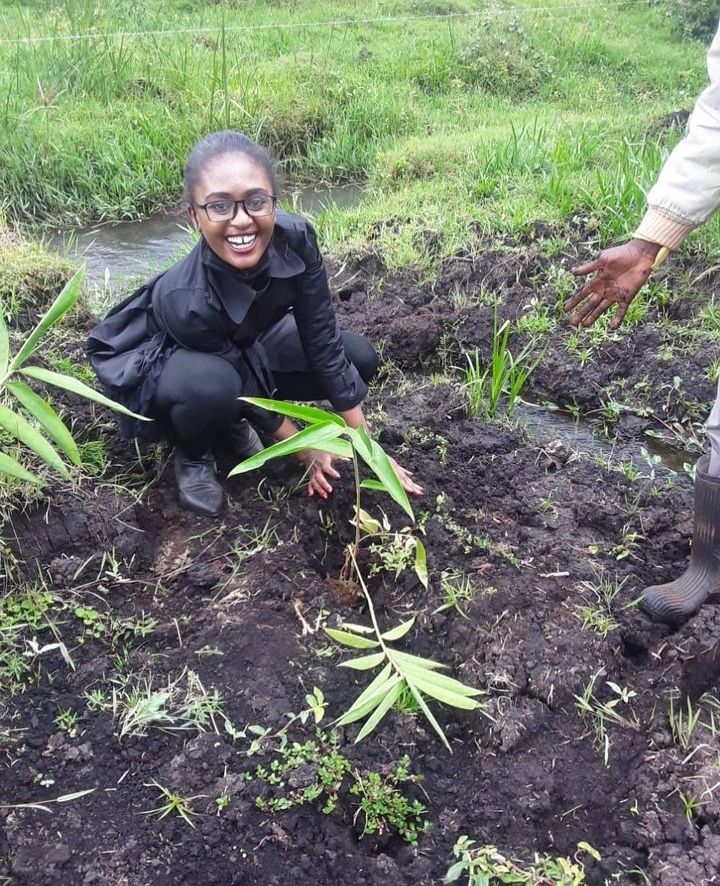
x: 677, y: 600
x: 196, y: 395
x: 293, y: 377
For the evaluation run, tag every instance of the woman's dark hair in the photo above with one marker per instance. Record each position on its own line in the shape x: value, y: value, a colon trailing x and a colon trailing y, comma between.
x: 217, y: 144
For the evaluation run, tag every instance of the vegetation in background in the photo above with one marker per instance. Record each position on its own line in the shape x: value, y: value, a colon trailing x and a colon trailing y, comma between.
x: 484, y: 122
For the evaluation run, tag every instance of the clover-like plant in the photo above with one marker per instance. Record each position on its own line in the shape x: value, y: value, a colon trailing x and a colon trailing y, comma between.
x: 401, y: 672
x: 35, y: 412
x: 331, y: 433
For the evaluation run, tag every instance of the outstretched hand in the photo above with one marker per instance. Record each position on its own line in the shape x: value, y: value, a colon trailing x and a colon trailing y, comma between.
x: 406, y: 478
x: 620, y: 273
x: 320, y: 469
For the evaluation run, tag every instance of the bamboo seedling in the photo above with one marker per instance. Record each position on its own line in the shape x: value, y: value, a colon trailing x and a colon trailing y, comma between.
x: 329, y: 432
x: 22, y: 424
x: 401, y: 672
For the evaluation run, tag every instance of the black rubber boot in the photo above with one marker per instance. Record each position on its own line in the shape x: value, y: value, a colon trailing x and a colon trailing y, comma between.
x: 197, y: 482
x: 674, y: 602
x: 239, y: 440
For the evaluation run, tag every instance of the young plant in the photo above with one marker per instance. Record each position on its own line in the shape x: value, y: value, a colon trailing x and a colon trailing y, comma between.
x: 174, y: 803
x: 483, y: 865
x: 506, y: 375
x: 330, y: 433
x: 22, y: 423
x: 400, y: 672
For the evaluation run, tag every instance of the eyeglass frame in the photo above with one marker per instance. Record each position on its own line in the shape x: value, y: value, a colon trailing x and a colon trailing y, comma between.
x: 218, y: 221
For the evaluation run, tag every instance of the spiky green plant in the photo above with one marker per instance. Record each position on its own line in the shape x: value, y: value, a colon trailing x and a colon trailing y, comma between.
x: 35, y: 415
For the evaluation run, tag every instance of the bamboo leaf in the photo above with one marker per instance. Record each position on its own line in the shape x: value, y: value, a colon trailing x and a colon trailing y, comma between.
x: 367, y: 693
x: 13, y: 468
x: 407, y: 658
x: 293, y: 410
x: 365, y: 662
x: 399, y: 631
x: 380, y: 711
x: 4, y: 344
x: 373, y: 484
x: 17, y: 425
x: 358, y: 629
x: 68, y: 383
x: 421, y: 569
x: 62, y: 304
x: 428, y: 713
x: 453, y: 699
x: 338, y: 446
x: 348, y: 639
x: 311, y: 437
x: 358, y: 711
x: 450, y: 684
x: 43, y: 412
x: 376, y: 459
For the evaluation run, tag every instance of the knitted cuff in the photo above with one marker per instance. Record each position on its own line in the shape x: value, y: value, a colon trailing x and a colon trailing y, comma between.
x: 667, y: 230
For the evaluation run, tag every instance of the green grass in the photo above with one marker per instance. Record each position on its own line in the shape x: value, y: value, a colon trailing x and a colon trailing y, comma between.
x: 496, y: 118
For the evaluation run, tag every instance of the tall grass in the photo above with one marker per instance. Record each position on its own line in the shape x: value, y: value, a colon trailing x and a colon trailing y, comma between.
x: 496, y: 120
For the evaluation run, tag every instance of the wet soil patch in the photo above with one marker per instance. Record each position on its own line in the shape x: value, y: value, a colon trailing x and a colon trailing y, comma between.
x: 240, y: 603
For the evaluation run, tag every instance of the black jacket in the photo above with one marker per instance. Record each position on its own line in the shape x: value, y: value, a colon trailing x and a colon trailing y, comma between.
x: 204, y: 304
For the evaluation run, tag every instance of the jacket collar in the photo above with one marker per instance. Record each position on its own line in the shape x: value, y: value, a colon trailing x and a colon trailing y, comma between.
x: 279, y: 261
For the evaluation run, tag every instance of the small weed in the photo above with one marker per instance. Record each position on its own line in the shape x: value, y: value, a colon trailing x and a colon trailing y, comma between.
x: 597, y: 609
x: 174, y: 804
x: 183, y: 704
x: 316, y: 770
x: 601, y: 713
x: 67, y: 720
x: 456, y: 588
x: 385, y: 808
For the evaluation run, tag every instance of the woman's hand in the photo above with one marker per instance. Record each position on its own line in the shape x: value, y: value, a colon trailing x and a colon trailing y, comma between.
x: 319, y: 465
x: 405, y: 478
x: 620, y: 273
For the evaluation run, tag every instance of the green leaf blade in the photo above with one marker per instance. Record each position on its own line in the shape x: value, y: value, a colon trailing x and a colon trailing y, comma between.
x: 67, y: 383
x: 417, y: 695
x: 348, y: 639
x: 20, y: 428
x: 313, y: 437
x: 380, y: 711
x: 399, y: 631
x: 365, y: 662
x: 13, y: 468
x: 310, y: 414
x: 43, y: 412
x: 421, y: 569
x: 62, y: 304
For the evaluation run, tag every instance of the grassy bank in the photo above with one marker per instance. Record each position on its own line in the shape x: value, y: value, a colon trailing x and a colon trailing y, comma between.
x: 455, y: 111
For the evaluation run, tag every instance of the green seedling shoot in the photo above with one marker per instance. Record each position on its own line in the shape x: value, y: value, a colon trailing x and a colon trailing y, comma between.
x: 330, y: 433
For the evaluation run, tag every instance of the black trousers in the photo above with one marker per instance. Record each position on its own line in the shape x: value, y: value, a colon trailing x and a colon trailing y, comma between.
x: 197, y: 393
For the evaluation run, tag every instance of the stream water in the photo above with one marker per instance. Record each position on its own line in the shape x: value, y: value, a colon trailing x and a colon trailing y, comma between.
x: 116, y: 253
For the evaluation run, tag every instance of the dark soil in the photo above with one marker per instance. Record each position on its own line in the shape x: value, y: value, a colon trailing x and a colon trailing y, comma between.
x: 531, y: 524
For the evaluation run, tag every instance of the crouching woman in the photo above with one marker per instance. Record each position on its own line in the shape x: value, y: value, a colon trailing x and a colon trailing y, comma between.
x: 246, y: 313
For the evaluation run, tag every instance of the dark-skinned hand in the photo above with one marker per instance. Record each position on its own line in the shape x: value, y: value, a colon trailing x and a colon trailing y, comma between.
x: 620, y: 273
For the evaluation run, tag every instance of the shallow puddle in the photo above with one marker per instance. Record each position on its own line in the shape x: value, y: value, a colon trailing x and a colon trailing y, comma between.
x: 545, y: 423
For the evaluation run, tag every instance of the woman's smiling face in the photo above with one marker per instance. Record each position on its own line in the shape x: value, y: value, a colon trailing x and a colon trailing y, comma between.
x: 242, y: 240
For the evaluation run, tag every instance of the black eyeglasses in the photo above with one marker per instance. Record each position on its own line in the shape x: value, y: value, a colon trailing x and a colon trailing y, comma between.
x: 226, y: 209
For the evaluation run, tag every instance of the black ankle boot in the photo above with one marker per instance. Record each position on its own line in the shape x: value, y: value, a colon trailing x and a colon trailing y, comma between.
x: 674, y: 602
x: 239, y: 440
x: 197, y: 482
